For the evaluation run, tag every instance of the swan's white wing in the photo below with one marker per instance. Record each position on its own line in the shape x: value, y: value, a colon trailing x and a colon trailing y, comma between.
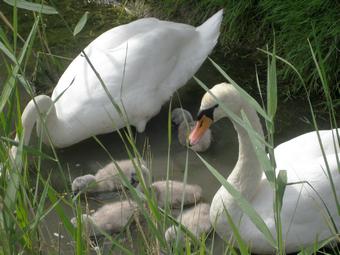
x: 136, y: 34
x: 142, y: 65
x: 151, y: 66
x: 109, y: 40
x: 306, y: 147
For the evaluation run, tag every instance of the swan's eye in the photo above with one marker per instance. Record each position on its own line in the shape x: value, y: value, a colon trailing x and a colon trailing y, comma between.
x: 207, y: 112
x: 199, y: 115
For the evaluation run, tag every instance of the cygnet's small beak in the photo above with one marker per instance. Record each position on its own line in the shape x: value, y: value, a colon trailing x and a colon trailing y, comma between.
x: 201, y: 126
x: 134, y: 181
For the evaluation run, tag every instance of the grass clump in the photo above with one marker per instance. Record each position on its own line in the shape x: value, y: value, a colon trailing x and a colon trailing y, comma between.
x: 250, y: 24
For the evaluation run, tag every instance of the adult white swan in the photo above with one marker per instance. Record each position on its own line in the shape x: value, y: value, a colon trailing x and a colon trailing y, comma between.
x: 304, y: 218
x: 141, y: 63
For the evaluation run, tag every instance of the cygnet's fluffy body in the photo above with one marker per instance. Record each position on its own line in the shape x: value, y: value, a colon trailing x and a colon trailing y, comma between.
x: 195, y: 219
x: 108, y: 178
x: 185, y: 122
x: 110, y: 218
x: 171, y: 192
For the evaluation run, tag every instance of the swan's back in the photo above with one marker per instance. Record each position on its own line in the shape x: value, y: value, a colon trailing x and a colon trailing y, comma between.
x: 141, y: 65
x: 118, y: 35
x: 304, y: 215
x: 307, y: 146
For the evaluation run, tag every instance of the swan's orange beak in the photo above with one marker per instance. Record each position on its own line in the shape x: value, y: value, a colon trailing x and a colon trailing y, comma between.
x: 201, y: 126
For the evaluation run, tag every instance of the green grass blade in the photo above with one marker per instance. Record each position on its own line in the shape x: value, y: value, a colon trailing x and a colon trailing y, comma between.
x: 287, y: 63
x: 28, y: 149
x: 281, y: 187
x: 242, y: 246
x: 42, y: 8
x: 7, y: 90
x: 167, y: 208
x: 40, y: 209
x: 272, y: 89
x: 14, y: 180
x: 79, y: 229
x: 60, y: 211
x: 259, y: 87
x: 81, y: 23
x: 7, y: 52
x: 313, y: 249
x: 242, y: 92
x: 332, y: 115
x: 15, y: 27
x: 260, y: 152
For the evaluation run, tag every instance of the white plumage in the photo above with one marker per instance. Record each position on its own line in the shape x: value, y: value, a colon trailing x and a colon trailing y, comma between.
x: 195, y: 219
x: 110, y: 218
x: 109, y: 177
x: 169, y: 192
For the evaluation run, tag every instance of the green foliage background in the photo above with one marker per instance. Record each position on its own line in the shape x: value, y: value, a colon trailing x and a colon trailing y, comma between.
x: 251, y: 24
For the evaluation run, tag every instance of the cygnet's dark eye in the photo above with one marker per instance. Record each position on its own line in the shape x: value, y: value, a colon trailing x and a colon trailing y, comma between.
x: 207, y: 112
x: 134, y: 180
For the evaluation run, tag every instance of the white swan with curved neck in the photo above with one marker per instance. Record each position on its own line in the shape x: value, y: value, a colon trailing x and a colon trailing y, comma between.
x: 141, y: 63
x: 303, y: 216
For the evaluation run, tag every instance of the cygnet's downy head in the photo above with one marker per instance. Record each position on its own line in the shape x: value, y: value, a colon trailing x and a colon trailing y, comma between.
x: 178, y: 115
x: 89, y: 226
x: 83, y: 183
x: 186, y: 124
x: 211, y: 111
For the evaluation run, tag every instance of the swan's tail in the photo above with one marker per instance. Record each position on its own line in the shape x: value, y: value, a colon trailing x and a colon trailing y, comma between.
x: 210, y: 30
x: 198, y: 47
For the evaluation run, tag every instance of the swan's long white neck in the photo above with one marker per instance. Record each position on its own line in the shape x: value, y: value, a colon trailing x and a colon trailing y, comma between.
x: 40, y: 104
x: 247, y: 172
x: 245, y: 176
